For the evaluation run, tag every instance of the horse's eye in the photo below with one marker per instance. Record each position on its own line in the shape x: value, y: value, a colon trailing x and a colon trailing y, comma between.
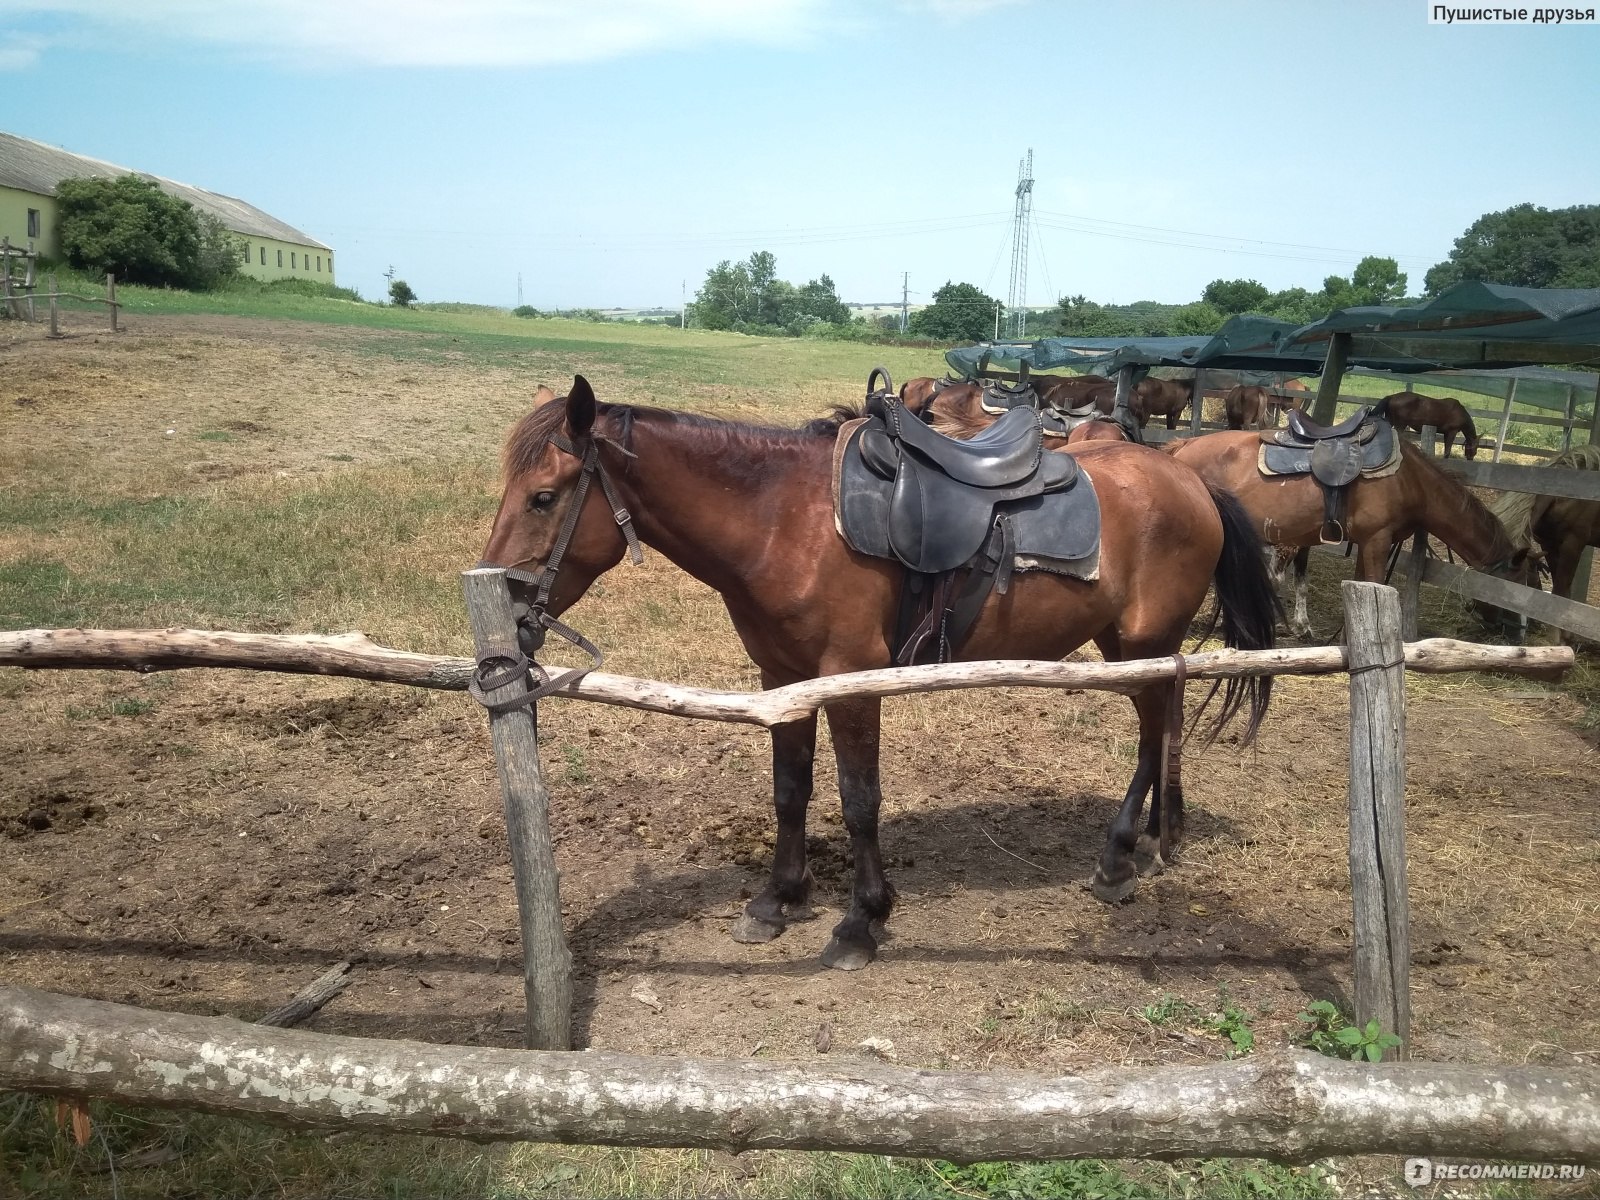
x: 541, y: 500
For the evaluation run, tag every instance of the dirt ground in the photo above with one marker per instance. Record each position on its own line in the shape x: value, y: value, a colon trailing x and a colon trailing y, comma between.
x: 212, y: 841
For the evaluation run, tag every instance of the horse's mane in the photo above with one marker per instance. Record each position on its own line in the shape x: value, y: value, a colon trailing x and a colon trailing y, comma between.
x: 1475, y: 509
x: 1517, y: 511
x: 530, y: 435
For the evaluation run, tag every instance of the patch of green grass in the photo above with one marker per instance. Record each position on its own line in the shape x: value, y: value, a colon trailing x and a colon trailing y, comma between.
x: 1170, y: 1010
x: 120, y: 706
x: 214, y: 435
x: 158, y: 1155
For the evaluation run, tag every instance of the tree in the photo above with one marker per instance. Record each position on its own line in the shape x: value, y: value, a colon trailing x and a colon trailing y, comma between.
x: 820, y: 299
x: 1232, y: 296
x: 129, y: 226
x: 1374, y: 281
x: 400, y: 293
x: 1201, y: 317
x: 724, y: 299
x: 959, y: 313
x: 1526, y: 246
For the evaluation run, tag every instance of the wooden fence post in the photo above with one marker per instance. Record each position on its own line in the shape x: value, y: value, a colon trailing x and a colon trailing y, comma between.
x: 1199, y: 390
x: 1377, y: 810
x: 1505, y: 419
x: 546, y: 961
x: 111, y: 299
x: 1327, y: 402
x: 55, y: 317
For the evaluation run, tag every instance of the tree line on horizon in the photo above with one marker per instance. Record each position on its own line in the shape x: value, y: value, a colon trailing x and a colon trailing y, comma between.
x: 1524, y: 246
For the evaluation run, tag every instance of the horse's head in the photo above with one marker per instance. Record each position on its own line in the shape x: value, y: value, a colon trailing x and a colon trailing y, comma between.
x: 554, y: 510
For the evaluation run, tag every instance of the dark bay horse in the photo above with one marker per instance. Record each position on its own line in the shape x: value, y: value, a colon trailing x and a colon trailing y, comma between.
x: 1421, y: 496
x: 1161, y: 398
x: 749, y: 511
x: 1409, y: 410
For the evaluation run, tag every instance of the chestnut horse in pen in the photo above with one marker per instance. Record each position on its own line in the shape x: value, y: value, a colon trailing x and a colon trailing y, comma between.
x: 749, y: 511
x: 1419, y: 497
x: 1247, y: 406
x: 1410, y: 410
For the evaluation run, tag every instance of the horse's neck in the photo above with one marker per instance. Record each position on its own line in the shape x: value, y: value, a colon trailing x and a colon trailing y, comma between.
x: 711, y: 507
x: 1464, y: 525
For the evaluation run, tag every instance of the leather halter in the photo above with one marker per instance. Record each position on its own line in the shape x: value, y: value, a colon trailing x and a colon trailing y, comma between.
x: 500, y: 671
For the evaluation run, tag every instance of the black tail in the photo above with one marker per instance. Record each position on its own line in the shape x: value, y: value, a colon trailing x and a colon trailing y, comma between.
x: 1247, y: 602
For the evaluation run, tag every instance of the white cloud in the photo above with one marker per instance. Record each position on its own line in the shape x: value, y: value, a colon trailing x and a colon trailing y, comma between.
x: 433, y: 33
x: 19, y: 51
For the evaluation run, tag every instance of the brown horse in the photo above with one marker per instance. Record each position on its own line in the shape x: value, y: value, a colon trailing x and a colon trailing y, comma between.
x: 749, y: 511
x: 1247, y: 406
x: 1161, y: 397
x: 1419, y: 497
x: 1410, y: 410
x: 1563, y: 526
x: 915, y: 393
x: 957, y: 411
x: 1074, y: 391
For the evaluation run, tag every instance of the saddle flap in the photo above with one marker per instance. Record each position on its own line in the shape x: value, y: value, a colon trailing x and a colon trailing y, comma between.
x: 1336, y: 461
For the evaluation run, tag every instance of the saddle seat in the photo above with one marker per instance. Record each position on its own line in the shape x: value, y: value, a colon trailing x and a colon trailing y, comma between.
x: 1308, y: 430
x: 999, y: 397
x: 1008, y: 453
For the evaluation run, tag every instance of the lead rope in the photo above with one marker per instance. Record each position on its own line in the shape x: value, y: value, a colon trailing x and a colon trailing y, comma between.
x: 498, y: 670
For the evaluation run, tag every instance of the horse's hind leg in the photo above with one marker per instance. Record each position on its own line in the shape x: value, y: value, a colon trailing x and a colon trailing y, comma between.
x: 854, y: 725
x: 787, y: 894
x: 1117, y: 875
x: 1300, y: 621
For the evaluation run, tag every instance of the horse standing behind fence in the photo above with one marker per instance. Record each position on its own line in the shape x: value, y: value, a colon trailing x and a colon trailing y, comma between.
x: 749, y: 511
x: 1247, y: 406
x: 1410, y: 410
x: 1161, y: 398
x: 1420, y: 496
x: 1563, y: 526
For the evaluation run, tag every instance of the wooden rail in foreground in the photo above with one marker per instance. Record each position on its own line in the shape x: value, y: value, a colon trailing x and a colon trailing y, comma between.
x: 1294, y: 1107
x: 351, y: 654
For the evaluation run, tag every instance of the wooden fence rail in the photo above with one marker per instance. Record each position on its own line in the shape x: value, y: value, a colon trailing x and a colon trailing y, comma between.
x: 351, y: 654
x: 1293, y: 1107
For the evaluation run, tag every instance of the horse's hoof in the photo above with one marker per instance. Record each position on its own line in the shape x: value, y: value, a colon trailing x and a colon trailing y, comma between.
x: 753, y: 930
x: 846, y: 956
x: 1109, y: 892
x: 1147, y: 858
x: 799, y: 912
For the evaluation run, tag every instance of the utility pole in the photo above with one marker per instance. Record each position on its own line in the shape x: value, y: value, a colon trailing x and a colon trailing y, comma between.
x: 519, y: 289
x: 997, y: 320
x: 683, y: 304
x: 905, y: 298
x: 1022, y: 218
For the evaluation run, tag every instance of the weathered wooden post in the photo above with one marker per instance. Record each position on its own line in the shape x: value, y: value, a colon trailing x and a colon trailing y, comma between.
x: 1377, y: 810
x: 546, y: 961
x: 1417, y: 557
x: 1327, y: 402
x: 1580, y: 581
x: 55, y: 319
x: 111, y: 299
x: 1505, y: 419
x: 1199, y: 390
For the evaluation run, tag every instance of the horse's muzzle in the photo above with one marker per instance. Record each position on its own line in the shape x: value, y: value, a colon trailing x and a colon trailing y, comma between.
x: 530, y: 633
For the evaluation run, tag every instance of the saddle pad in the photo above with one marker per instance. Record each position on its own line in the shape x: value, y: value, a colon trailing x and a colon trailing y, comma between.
x: 1057, y: 532
x: 1379, y: 455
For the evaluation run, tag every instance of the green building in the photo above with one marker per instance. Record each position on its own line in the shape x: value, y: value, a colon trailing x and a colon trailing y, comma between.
x: 30, y: 171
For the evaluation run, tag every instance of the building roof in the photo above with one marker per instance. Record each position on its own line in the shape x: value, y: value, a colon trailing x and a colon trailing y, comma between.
x: 35, y: 167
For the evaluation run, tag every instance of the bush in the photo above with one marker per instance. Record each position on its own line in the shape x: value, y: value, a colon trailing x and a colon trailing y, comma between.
x: 130, y: 227
x: 298, y: 287
x: 526, y: 310
x: 400, y: 293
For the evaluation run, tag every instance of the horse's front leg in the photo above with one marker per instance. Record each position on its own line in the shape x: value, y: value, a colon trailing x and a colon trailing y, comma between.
x: 1300, y: 620
x: 854, y: 725
x: 788, y: 892
x: 1117, y: 875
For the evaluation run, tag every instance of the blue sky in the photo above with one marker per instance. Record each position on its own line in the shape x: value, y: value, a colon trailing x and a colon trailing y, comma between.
x: 609, y: 150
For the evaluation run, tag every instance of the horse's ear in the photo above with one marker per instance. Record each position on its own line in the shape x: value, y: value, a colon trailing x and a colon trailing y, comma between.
x: 544, y: 396
x: 580, y: 407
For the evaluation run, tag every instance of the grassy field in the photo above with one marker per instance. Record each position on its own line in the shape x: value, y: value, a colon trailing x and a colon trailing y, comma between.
x: 271, y: 462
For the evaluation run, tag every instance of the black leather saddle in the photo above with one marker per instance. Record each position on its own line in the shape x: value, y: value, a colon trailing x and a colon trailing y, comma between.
x: 1334, y: 455
x: 1000, y: 397
x: 940, y: 505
